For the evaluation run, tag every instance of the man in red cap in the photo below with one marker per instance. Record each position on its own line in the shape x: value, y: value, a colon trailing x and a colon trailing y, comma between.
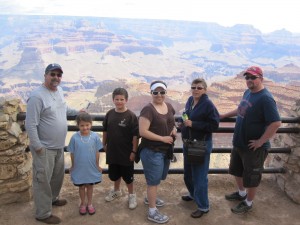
x: 257, y: 121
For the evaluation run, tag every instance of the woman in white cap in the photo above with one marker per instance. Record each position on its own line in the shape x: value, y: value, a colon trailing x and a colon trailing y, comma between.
x: 157, y: 129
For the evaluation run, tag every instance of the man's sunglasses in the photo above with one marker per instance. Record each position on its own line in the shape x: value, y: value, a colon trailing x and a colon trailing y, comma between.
x: 251, y: 77
x: 56, y: 74
x: 198, y: 88
x: 159, y: 92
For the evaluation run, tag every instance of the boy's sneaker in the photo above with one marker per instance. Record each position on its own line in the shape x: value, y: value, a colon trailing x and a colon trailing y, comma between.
x: 132, y: 201
x: 241, y: 208
x: 235, y: 196
x: 112, y: 195
x: 158, y: 202
x: 157, y: 217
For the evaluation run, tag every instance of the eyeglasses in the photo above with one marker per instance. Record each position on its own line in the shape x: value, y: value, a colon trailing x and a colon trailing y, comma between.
x: 198, y: 88
x: 159, y: 92
x: 251, y: 77
x: 56, y: 74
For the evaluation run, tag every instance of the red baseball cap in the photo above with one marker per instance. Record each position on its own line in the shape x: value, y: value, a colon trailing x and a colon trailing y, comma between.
x: 254, y: 70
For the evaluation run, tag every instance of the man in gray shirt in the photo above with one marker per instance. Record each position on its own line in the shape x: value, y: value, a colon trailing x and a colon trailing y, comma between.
x: 46, y: 125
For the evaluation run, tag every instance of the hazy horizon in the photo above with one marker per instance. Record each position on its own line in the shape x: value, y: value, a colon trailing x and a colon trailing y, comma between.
x: 267, y: 16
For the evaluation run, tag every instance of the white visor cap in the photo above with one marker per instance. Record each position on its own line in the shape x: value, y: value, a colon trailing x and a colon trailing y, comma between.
x: 156, y: 85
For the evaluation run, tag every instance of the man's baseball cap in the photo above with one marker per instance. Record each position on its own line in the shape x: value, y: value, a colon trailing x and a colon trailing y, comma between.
x: 254, y: 70
x: 53, y: 66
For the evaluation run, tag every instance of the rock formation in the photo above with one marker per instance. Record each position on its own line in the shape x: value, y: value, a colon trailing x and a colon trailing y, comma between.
x: 289, y: 182
x: 15, y: 163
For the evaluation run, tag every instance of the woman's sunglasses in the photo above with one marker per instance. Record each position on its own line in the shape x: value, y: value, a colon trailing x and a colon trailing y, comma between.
x: 159, y: 92
x: 198, y: 88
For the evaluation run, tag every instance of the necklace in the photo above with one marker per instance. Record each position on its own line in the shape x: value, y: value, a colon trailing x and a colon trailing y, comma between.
x: 50, y: 92
x: 52, y: 95
x: 84, y: 137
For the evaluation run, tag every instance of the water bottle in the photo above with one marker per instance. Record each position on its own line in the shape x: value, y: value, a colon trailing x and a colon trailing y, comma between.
x: 185, y: 116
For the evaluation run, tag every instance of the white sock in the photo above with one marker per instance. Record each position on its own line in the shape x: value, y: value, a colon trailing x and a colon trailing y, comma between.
x: 152, y: 210
x: 242, y: 193
x: 249, y: 203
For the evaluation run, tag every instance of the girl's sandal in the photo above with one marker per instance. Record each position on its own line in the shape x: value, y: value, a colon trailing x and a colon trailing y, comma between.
x: 82, y: 210
x: 91, y: 209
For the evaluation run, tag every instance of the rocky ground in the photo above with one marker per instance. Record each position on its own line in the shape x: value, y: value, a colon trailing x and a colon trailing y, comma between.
x: 271, y: 206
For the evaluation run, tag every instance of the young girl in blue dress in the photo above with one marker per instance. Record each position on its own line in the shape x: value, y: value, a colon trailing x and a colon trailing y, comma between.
x: 85, y: 171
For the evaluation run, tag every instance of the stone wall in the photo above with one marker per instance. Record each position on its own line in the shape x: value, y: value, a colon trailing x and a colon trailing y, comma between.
x: 289, y: 182
x: 15, y: 163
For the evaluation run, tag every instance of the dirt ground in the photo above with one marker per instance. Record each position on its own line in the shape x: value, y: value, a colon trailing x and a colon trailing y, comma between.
x: 271, y: 206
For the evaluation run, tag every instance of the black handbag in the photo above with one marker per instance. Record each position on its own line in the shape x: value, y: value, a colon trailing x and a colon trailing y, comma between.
x: 138, y: 152
x: 196, y: 150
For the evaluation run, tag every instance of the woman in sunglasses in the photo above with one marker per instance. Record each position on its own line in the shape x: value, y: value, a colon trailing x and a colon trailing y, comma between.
x: 156, y: 127
x: 200, y: 119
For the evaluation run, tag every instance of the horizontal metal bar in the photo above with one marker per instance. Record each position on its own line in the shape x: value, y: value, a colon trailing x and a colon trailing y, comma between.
x: 22, y: 115
x: 211, y: 171
x: 214, y: 150
x: 228, y: 150
x: 283, y: 120
x: 228, y: 130
x: 287, y: 130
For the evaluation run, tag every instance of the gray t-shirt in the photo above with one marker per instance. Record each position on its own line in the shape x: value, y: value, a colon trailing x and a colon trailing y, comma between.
x: 46, y: 118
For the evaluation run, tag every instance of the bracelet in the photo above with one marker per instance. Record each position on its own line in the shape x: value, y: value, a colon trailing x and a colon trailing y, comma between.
x: 133, y: 152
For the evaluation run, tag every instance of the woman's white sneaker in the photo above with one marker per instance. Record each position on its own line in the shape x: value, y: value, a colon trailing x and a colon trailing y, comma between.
x: 157, y: 217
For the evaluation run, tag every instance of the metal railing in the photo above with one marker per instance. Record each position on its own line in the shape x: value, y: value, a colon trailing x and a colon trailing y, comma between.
x: 284, y: 150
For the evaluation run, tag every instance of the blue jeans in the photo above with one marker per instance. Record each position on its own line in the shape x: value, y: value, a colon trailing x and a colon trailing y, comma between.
x: 196, y: 178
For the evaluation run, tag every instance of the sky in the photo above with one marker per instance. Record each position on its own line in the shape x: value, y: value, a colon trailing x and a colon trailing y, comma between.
x: 265, y: 15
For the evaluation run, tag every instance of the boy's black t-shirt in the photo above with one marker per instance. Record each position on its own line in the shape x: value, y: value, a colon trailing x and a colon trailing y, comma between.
x: 120, y: 128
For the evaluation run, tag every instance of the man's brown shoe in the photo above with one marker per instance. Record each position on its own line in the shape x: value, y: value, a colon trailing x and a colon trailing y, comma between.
x: 187, y: 198
x: 59, y: 202
x: 198, y: 213
x: 50, y: 220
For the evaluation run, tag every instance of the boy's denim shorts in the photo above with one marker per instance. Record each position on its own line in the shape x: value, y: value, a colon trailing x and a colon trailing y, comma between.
x: 156, y: 166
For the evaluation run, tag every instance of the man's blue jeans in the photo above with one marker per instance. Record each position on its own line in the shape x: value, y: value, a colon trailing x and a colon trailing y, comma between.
x: 196, y: 178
